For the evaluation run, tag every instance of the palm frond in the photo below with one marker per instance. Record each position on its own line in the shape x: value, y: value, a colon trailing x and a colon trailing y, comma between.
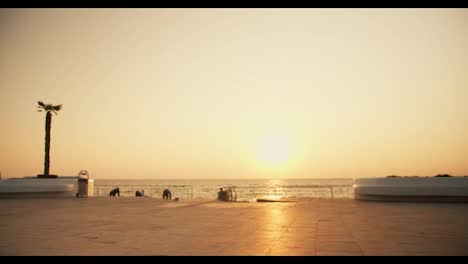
x: 49, y: 107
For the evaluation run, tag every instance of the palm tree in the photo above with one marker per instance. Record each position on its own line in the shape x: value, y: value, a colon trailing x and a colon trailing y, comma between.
x: 47, y: 108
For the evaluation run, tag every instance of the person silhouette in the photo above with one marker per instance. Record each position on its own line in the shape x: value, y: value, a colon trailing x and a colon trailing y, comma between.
x: 167, y: 194
x: 115, y: 192
x: 222, y: 195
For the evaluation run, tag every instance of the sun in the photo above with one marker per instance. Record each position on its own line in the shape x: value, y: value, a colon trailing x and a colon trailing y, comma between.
x: 274, y: 151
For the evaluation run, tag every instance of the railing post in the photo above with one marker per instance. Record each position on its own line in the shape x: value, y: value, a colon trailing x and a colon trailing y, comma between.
x: 331, y: 189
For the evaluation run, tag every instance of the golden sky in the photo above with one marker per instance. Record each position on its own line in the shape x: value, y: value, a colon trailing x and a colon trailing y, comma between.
x: 235, y: 93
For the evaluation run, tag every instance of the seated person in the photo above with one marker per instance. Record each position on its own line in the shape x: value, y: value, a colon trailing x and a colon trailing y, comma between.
x: 222, y: 195
x: 167, y: 194
x: 115, y: 192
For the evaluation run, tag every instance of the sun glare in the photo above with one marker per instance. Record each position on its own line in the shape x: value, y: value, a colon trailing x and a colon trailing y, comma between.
x: 274, y: 151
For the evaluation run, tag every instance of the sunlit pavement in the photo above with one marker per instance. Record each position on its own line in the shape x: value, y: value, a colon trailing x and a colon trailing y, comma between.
x: 146, y: 226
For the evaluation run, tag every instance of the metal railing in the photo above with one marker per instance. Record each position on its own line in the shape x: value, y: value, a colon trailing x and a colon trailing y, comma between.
x: 187, y: 191
x: 151, y: 190
x: 278, y: 189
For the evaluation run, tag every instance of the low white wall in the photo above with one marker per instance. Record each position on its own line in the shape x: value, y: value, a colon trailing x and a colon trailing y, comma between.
x: 411, y: 186
x: 59, y: 187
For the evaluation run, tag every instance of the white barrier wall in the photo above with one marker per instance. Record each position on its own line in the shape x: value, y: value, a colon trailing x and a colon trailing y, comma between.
x: 411, y: 187
x: 40, y: 187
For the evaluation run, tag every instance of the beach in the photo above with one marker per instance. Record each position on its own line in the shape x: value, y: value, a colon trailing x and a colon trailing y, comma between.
x: 309, y: 226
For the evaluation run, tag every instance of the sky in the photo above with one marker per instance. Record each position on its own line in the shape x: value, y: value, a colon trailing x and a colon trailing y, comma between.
x: 235, y: 93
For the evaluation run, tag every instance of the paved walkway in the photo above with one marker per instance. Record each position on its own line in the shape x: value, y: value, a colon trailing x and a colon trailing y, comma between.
x: 146, y: 226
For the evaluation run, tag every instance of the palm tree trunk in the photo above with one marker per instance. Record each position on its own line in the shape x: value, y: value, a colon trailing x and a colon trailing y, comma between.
x: 47, y: 144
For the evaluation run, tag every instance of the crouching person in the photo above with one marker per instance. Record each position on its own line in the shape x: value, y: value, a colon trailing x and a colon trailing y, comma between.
x: 167, y: 194
x: 115, y: 192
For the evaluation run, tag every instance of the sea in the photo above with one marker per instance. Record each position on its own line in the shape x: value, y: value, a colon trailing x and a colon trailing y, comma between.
x: 245, y: 189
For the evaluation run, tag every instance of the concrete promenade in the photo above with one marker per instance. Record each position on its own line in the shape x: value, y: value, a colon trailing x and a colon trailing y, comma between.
x: 147, y: 226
